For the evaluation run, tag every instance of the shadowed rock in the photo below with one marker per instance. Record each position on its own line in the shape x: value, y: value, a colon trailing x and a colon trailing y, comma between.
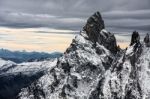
x: 93, y: 26
x: 135, y: 42
x: 146, y: 40
x: 95, y: 30
x: 135, y: 38
x: 108, y: 40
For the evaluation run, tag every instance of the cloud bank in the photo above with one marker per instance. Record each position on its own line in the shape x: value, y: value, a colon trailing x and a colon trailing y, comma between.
x: 119, y: 15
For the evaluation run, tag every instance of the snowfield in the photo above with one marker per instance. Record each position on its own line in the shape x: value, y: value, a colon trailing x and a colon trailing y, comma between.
x: 9, y: 67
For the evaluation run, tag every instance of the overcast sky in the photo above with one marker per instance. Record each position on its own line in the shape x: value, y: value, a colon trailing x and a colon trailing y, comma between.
x: 46, y: 25
x: 119, y: 15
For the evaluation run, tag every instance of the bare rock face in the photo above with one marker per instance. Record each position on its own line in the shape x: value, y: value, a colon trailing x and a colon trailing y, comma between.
x: 146, y: 40
x: 95, y: 30
x: 108, y: 40
x: 93, y: 26
x: 135, y: 38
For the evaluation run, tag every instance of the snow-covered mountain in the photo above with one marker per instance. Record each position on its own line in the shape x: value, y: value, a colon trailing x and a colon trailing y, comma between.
x: 93, y: 67
x: 14, y: 77
x: 23, y: 56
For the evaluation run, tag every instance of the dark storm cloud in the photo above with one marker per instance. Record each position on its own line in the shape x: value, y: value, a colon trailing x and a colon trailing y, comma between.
x: 135, y: 14
x: 119, y: 15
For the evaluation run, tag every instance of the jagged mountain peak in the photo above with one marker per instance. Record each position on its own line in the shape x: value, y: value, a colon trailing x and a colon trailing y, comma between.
x: 93, y: 68
x: 78, y: 70
x: 135, y: 38
x: 95, y: 30
x: 93, y: 26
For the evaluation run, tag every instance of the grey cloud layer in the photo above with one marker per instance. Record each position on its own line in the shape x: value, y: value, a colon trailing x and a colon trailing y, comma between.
x: 119, y: 15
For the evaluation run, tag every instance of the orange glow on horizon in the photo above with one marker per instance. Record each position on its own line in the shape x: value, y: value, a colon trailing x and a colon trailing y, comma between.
x: 25, y: 39
x: 123, y: 45
x: 31, y: 40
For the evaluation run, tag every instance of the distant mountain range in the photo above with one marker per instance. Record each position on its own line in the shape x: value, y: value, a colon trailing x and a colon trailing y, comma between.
x: 23, y: 56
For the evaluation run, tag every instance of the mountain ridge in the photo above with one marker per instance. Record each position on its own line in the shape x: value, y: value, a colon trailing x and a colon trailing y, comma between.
x: 23, y: 56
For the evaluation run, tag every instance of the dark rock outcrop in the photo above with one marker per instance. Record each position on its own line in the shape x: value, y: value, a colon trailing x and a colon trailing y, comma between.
x: 93, y: 26
x: 108, y: 40
x: 135, y: 38
x: 96, y: 33
x: 147, y: 40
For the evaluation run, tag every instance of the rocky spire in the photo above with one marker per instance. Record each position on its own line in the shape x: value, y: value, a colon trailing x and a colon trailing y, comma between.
x: 135, y: 38
x: 95, y: 30
x: 146, y: 40
x: 93, y: 26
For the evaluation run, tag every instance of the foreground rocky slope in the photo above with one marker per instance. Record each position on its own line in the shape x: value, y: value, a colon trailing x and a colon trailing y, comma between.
x: 14, y: 77
x: 93, y: 67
